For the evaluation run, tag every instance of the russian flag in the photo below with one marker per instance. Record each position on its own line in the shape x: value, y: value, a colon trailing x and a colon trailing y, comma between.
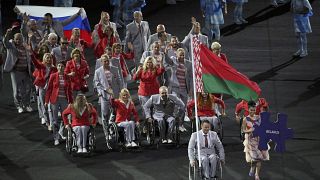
x: 60, y: 14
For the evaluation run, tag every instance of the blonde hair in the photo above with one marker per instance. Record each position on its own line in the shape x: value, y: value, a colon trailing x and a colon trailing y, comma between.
x: 77, y: 106
x: 146, y: 61
x: 179, y: 50
x: 215, y: 45
x: 124, y: 91
x: 45, y: 55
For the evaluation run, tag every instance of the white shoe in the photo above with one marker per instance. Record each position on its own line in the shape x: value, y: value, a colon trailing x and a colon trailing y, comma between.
x: 164, y: 141
x: 128, y: 144
x: 29, y: 109
x: 84, y: 150
x: 133, y: 144
x: 296, y: 54
x: 20, y: 110
x: 182, y: 128
x: 56, y: 142
x: 43, y: 121
x: 238, y: 22
x: 243, y: 20
x: 169, y: 141
x: 79, y: 150
x: 49, y: 128
x: 303, y: 54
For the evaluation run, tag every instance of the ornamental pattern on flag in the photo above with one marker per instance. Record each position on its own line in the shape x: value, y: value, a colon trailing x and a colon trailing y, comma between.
x: 197, y: 64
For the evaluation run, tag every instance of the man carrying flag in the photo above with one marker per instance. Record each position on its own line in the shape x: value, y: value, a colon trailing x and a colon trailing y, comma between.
x: 58, y: 20
x: 214, y: 75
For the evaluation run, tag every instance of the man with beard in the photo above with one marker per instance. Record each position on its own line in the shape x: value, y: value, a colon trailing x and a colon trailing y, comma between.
x: 165, y: 108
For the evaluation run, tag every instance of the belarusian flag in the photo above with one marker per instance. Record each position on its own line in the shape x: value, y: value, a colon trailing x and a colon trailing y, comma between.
x: 219, y: 77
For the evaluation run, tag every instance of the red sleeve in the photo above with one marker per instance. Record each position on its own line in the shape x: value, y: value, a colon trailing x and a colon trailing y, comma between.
x: 114, y: 102
x: 36, y: 62
x: 65, y: 114
x: 219, y: 101
x: 128, y: 56
x: 49, y: 89
x: 100, y: 32
x: 160, y: 71
x: 190, y: 107
x: 67, y: 70
x: 137, y: 76
x: 85, y: 43
x: 239, y: 107
x: 224, y: 58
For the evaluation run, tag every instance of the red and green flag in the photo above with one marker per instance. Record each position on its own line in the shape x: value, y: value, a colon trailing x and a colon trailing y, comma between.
x: 219, y: 77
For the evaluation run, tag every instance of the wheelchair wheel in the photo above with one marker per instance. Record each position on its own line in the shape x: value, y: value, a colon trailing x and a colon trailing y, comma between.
x: 194, y: 172
x: 69, y: 141
x: 137, y: 133
x: 151, y: 133
x: 113, y: 136
x: 176, y: 134
x: 91, y: 140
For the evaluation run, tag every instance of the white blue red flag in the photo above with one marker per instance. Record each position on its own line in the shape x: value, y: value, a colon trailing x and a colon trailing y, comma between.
x: 60, y: 14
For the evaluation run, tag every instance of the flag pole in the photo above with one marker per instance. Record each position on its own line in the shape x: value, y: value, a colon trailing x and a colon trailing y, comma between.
x: 195, y: 101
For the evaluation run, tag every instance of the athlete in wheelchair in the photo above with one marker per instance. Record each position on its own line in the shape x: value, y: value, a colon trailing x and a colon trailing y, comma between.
x: 121, y: 129
x: 162, y: 115
x: 80, y: 119
x: 210, y: 160
x: 206, y: 106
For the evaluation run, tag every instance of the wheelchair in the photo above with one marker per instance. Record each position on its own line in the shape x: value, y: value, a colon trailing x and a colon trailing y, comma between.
x: 219, y: 130
x: 153, y: 132
x: 115, y: 135
x: 71, y: 143
x: 195, y: 172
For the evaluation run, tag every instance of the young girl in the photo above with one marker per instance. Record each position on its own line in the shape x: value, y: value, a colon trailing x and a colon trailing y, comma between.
x: 254, y: 156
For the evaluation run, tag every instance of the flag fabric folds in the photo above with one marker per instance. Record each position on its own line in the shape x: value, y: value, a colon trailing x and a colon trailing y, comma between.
x: 60, y: 14
x: 219, y: 77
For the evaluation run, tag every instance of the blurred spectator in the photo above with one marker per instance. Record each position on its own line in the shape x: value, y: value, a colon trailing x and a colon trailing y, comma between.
x: 63, y: 3
x: 212, y: 11
x: 301, y: 10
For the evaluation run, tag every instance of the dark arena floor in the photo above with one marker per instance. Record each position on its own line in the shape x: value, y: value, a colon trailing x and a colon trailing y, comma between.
x: 262, y: 50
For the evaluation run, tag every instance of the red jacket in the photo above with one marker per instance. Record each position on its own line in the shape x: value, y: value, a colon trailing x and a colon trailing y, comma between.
x: 149, y: 84
x: 104, y: 42
x: 243, y: 105
x: 77, y: 81
x: 122, y: 57
x: 40, y: 72
x: 53, y: 88
x: 123, y: 113
x: 224, y: 57
x: 205, y: 110
x: 88, y: 117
